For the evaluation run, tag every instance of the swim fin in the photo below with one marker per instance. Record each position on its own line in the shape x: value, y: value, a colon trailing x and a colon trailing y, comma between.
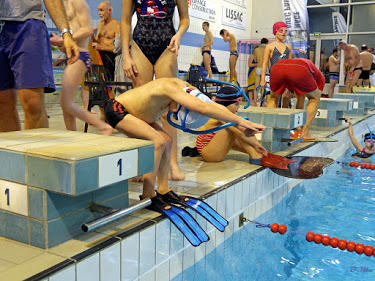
x: 199, y: 206
x: 272, y: 161
x: 181, y: 219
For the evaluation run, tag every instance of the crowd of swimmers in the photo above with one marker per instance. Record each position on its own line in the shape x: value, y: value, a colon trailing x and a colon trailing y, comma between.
x: 151, y: 64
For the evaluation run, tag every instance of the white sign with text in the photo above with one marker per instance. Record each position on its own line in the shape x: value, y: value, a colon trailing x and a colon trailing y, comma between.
x: 298, y: 120
x: 234, y: 17
x: 202, y: 9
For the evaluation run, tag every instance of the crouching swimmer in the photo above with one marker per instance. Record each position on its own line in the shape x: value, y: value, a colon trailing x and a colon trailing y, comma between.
x: 213, y: 147
x: 136, y: 111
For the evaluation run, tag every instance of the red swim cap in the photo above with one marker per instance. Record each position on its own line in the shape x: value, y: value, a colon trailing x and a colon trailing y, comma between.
x: 277, y: 26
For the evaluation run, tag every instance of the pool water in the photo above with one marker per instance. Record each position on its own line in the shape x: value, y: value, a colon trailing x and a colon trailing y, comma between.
x: 341, y: 204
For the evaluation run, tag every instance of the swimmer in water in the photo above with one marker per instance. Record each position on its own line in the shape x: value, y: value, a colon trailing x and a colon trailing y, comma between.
x: 362, y: 151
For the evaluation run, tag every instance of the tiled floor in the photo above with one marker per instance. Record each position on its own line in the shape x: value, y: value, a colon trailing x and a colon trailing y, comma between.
x: 19, y: 261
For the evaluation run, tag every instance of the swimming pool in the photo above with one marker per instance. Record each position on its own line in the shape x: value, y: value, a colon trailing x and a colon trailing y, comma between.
x: 340, y: 204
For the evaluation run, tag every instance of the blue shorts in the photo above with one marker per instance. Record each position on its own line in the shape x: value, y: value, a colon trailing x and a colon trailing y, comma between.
x: 334, y: 76
x: 25, y: 56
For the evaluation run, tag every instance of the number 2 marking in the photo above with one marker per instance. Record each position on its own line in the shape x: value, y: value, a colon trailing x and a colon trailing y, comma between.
x: 119, y: 164
x: 7, y: 194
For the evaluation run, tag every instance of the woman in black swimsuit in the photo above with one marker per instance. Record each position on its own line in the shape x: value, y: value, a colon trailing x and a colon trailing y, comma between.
x: 276, y: 51
x: 154, y: 48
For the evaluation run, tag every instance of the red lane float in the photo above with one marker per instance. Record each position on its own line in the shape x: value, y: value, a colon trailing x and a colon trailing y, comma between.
x: 282, y: 228
x: 342, y: 244
x: 363, y: 165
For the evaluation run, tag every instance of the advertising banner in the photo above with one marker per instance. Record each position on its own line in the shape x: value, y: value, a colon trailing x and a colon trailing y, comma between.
x: 241, y: 3
x: 234, y: 17
x: 202, y: 9
x: 297, y: 20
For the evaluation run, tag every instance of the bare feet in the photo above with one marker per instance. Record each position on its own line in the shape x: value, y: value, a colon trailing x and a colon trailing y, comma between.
x: 308, y: 137
x: 177, y: 174
x: 137, y: 179
x: 106, y: 130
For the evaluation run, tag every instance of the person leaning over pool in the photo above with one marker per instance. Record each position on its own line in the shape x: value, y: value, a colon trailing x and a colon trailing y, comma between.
x: 135, y: 113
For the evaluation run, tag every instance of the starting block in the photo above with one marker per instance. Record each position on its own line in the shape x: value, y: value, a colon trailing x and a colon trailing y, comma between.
x: 331, y: 110
x: 362, y: 102
x: 279, y: 122
x: 52, y: 178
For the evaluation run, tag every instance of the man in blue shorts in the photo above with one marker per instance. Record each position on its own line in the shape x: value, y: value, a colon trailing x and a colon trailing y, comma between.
x: 26, y: 60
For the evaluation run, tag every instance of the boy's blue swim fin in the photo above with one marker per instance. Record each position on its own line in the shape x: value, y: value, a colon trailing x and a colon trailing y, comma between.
x: 199, y: 206
x: 181, y: 219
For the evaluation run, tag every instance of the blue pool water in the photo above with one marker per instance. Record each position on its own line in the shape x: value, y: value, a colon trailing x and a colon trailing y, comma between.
x: 341, y: 204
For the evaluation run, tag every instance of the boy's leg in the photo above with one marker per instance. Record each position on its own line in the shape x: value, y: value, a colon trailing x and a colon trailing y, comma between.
x: 207, y: 64
x: 71, y: 80
x: 137, y: 128
x: 166, y: 66
x: 232, y: 68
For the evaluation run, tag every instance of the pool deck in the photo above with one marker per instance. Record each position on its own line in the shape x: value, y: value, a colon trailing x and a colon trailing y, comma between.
x: 19, y: 261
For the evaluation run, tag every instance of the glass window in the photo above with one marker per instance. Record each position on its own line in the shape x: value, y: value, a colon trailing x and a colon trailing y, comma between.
x: 320, y: 19
x: 320, y: 2
x: 362, y: 39
x: 362, y: 18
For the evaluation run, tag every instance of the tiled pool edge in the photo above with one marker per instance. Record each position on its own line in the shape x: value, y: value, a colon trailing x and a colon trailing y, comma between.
x: 163, y: 257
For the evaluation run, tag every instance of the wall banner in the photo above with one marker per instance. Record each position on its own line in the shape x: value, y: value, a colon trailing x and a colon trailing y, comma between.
x: 202, y: 9
x: 241, y: 3
x: 234, y: 17
x: 297, y: 20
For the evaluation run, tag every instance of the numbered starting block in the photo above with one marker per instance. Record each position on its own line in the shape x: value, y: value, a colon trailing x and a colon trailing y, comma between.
x: 50, y: 179
x: 330, y: 111
x: 362, y: 102
x: 279, y: 122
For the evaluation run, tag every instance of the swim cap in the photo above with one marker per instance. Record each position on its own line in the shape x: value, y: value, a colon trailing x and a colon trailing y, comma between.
x: 277, y: 26
x: 191, y: 119
x: 225, y: 96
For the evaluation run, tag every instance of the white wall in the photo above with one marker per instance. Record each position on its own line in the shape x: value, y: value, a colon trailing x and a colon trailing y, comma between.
x: 265, y: 14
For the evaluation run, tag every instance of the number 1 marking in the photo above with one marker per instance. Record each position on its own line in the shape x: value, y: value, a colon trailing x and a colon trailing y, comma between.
x: 7, y: 194
x: 119, y: 164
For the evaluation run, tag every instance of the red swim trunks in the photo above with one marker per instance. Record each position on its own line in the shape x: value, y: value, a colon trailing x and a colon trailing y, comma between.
x: 203, y: 140
x: 296, y: 75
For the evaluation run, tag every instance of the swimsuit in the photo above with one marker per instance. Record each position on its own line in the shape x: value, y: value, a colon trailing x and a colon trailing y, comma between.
x: 334, y: 76
x: 154, y: 29
x: 277, y: 56
x: 234, y: 53
x: 206, y: 51
x: 365, y: 75
x: 362, y: 154
x: 86, y: 58
x: 297, y: 75
x: 258, y: 71
x: 114, y: 112
x: 203, y: 141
